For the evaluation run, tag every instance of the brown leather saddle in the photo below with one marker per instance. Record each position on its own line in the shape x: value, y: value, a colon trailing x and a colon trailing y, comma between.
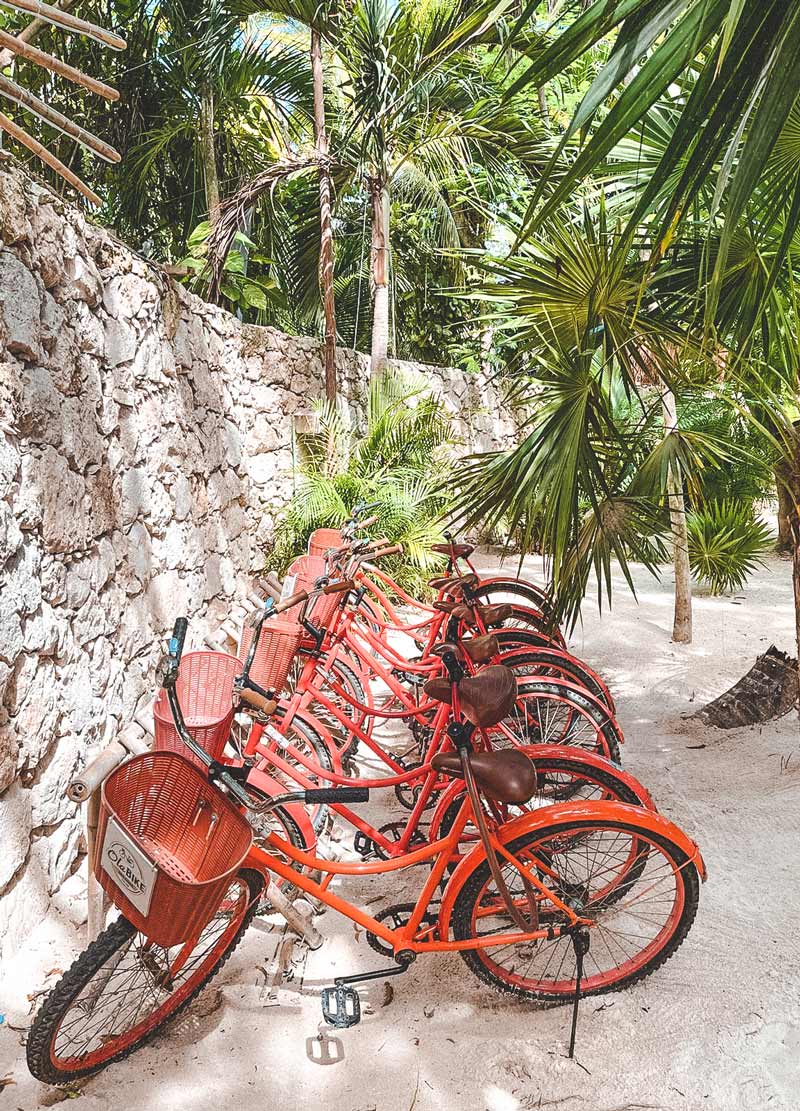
x: 485, y: 698
x: 489, y: 615
x: 449, y: 582
x: 508, y: 775
x: 460, y: 551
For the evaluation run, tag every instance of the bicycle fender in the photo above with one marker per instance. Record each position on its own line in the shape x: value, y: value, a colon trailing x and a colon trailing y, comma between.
x: 563, y: 814
x: 566, y: 752
x: 544, y: 752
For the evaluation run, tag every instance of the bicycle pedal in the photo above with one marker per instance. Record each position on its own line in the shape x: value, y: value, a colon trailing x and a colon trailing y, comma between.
x: 341, y: 1006
x: 364, y: 845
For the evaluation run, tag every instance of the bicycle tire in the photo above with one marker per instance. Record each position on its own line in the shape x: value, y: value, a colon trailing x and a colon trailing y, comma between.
x: 91, y: 963
x: 549, y: 662
x: 316, y: 740
x: 608, y: 735
x: 479, y: 961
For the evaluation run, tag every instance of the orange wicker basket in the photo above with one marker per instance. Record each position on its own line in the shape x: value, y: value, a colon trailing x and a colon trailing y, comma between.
x: 205, y: 692
x: 277, y: 648
x: 306, y: 570
x: 168, y: 844
x: 323, y: 538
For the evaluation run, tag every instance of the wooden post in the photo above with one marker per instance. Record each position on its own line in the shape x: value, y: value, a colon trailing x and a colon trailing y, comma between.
x: 95, y: 896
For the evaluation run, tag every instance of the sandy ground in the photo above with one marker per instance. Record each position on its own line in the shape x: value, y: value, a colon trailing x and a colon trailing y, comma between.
x: 717, y: 1028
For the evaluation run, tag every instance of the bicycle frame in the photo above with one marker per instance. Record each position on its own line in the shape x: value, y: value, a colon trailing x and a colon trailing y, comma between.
x: 441, y: 853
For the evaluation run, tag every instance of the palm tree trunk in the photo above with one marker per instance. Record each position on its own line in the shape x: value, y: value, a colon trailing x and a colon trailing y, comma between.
x: 785, y: 543
x: 380, y: 271
x: 208, y: 156
x: 682, y: 619
x: 790, y: 473
x: 543, y: 109
x: 325, y: 217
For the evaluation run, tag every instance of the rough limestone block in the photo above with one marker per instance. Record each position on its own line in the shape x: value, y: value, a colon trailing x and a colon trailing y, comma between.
x: 20, y: 308
x: 47, y: 243
x: 39, y: 410
x: 14, y: 222
x: 65, y: 526
x: 10, y: 534
x: 47, y: 799
x: 25, y: 904
x: 11, y: 638
x: 121, y: 342
x: 80, y: 281
x: 15, y: 829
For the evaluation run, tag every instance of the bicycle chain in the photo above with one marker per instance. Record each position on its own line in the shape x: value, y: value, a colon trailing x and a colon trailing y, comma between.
x: 399, y: 913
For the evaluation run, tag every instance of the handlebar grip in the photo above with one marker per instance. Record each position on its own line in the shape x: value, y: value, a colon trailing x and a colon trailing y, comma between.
x: 382, y: 542
x: 366, y: 522
x: 258, y: 701
x: 338, y: 588
x: 179, y: 630
x: 337, y: 794
x: 395, y: 549
x: 287, y: 604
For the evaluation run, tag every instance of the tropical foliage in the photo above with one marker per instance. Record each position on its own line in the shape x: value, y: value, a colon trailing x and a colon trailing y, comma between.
x: 400, y: 465
x: 598, y: 200
x: 726, y: 544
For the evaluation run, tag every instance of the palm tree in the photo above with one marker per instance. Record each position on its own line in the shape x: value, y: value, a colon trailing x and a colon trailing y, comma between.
x: 746, y: 80
x: 223, y: 98
x: 605, y: 450
x: 413, y: 110
x: 399, y: 463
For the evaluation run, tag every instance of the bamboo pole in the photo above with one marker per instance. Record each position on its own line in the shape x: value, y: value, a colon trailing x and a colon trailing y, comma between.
x: 47, y: 61
x: 33, y: 145
x: 95, y: 896
x: 25, y: 99
x: 36, y: 26
x: 66, y: 22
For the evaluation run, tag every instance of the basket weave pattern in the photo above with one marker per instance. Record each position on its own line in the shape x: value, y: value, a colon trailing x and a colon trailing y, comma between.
x: 307, y: 569
x: 205, y: 692
x: 277, y: 648
x: 187, y: 828
x: 323, y: 538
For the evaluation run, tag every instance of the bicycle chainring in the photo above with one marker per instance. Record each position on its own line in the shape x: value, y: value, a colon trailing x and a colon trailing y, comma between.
x: 408, y: 793
x: 393, y: 831
x: 397, y: 916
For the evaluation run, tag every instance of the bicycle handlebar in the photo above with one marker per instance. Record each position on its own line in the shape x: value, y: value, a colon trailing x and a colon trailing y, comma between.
x: 178, y: 638
x: 292, y: 600
x: 338, y: 588
x: 258, y: 701
x: 395, y: 549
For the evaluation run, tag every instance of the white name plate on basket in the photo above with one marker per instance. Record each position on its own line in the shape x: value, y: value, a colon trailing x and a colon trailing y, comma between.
x: 129, y: 868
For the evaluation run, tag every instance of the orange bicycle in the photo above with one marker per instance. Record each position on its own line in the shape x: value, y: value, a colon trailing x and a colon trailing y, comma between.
x: 565, y: 901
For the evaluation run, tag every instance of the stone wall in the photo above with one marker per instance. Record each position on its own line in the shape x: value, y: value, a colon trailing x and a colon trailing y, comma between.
x: 145, y: 447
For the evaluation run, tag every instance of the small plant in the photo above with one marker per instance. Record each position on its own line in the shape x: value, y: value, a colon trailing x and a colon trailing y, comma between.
x: 246, y: 292
x: 726, y: 544
x: 400, y: 464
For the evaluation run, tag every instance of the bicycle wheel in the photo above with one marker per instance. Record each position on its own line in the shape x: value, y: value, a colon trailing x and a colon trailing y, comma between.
x: 552, y: 711
x: 340, y: 726
x: 506, y: 589
x: 638, y: 918
x: 301, y: 734
x: 559, y: 779
x: 119, y: 992
x: 534, y: 663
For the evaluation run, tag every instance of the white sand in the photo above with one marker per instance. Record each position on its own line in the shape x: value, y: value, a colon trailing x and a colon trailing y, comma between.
x: 717, y: 1028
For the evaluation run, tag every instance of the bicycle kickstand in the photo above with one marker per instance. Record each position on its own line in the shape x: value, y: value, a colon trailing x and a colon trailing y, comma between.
x: 580, y: 943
